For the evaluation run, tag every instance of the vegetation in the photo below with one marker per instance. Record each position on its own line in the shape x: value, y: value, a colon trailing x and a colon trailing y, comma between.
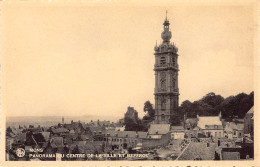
x: 212, y: 104
x: 209, y: 105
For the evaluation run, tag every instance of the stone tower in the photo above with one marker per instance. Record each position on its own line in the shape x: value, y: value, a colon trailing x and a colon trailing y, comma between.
x: 166, y: 77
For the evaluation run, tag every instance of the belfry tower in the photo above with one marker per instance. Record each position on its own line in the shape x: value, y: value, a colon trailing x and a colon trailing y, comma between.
x: 166, y: 77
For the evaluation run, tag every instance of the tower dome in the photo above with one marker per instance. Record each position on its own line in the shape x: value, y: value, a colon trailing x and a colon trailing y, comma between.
x: 166, y: 34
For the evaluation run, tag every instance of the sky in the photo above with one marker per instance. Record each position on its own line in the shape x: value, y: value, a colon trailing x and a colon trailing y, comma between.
x: 97, y: 59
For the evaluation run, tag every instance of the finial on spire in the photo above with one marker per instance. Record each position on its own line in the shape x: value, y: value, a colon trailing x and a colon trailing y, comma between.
x: 166, y: 14
x: 156, y: 43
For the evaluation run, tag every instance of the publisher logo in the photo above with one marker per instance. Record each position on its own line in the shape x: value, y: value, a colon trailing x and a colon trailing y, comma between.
x: 20, y: 152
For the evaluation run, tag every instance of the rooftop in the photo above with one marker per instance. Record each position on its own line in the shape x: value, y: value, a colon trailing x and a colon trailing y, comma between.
x: 159, y: 129
x: 198, y: 151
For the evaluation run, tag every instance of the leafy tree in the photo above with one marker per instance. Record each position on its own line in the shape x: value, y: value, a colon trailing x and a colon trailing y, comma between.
x: 132, y: 122
x: 176, y: 119
x: 148, y: 107
x: 211, y: 104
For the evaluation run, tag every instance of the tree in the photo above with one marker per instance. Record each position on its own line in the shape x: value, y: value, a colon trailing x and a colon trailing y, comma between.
x: 148, y: 108
x: 211, y: 104
x: 132, y: 123
x: 175, y: 119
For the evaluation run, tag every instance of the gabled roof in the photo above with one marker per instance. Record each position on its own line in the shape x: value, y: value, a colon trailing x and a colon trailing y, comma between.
x: 142, y: 135
x: 208, y: 120
x: 230, y: 126
x: 159, y: 129
x: 56, y: 142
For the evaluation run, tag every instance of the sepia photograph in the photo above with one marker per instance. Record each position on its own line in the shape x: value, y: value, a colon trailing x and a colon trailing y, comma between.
x: 111, y: 81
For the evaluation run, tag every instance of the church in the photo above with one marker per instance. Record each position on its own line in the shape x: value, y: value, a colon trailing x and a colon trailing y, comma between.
x: 166, y: 69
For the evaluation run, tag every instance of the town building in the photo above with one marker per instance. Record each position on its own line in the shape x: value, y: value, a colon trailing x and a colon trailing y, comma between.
x: 249, y: 122
x: 119, y: 140
x: 166, y: 77
x: 157, y: 130
x: 211, y: 126
x: 234, y: 130
x: 177, y: 132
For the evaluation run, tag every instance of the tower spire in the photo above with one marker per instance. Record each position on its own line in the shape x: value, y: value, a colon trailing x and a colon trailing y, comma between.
x: 166, y: 34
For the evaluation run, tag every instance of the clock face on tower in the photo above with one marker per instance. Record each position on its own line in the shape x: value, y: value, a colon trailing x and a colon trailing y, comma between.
x: 166, y: 78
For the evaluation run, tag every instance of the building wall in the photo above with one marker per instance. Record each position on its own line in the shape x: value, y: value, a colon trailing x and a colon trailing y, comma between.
x: 177, y: 135
x: 152, y: 143
x: 120, y: 143
x: 214, y: 132
x: 230, y: 155
x: 248, y: 124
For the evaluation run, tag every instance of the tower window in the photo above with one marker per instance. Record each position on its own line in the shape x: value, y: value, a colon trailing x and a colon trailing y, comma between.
x: 173, y: 60
x: 173, y: 82
x: 163, y: 104
x: 163, y: 60
x: 163, y: 85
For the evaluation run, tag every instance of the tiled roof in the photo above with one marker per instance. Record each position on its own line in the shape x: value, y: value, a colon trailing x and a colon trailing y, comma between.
x: 21, y: 137
x: 208, y: 120
x: 59, y: 130
x: 198, y: 150
x: 96, y: 129
x: 111, y: 133
x: 38, y: 137
x: 130, y: 134
x: 230, y: 126
x: 46, y: 135
x: 159, y: 129
x: 56, y: 142
x: 177, y: 128
x: 142, y: 135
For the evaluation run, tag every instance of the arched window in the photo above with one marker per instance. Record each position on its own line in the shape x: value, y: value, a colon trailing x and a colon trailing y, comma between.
x: 162, y: 60
x: 163, y: 84
x: 163, y: 104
